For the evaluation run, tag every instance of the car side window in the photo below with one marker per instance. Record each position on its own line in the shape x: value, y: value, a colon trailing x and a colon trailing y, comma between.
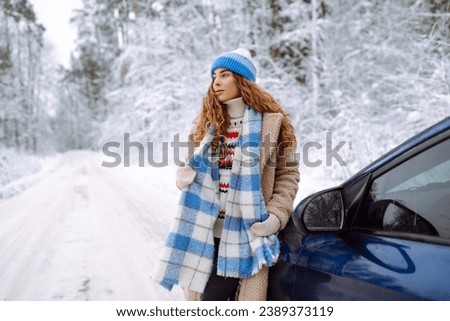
x: 413, y: 197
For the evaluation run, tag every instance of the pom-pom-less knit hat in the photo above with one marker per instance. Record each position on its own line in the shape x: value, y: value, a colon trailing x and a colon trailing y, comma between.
x: 238, y: 61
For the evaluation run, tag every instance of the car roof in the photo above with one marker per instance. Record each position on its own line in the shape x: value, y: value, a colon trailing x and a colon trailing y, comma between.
x: 414, y: 141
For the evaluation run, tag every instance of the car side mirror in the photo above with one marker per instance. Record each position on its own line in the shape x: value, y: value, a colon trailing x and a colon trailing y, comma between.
x: 323, y: 211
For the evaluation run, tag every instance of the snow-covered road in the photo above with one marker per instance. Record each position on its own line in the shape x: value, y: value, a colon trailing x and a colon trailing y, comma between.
x: 87, y: 232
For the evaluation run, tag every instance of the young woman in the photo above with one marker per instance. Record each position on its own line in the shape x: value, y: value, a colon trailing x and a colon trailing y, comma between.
x: 238, y: 188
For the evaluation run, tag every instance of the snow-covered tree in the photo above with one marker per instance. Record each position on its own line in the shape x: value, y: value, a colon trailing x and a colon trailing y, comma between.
x: 21, y: 43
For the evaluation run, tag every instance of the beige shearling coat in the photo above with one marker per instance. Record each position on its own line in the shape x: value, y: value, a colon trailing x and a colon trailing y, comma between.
x: 279, y: 182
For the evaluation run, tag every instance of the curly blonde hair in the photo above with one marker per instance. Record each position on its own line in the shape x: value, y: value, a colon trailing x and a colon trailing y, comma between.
x: 213, y: 113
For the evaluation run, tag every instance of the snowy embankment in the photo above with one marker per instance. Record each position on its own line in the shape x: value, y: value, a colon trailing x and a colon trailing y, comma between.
x: 79, y: 231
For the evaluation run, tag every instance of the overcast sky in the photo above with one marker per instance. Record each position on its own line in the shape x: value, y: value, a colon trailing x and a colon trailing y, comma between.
x: 55, y: 16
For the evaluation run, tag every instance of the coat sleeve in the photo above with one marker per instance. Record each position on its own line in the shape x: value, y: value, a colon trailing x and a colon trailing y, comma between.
x: 191, y: 143
x: 285, y: 187
x: 184, y: 174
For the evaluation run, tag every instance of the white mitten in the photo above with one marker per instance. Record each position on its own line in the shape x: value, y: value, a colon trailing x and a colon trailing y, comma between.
x: 185, y: 176
x: 270, y: 226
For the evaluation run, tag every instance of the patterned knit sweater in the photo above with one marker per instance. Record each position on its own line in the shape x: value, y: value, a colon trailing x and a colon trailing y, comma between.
x: 236, y: 109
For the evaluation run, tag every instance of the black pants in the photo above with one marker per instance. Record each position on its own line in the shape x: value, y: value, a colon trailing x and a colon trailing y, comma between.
x: 219, y: 288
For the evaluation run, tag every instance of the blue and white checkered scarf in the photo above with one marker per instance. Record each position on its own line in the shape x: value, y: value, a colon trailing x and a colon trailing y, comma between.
x: 188, y: 254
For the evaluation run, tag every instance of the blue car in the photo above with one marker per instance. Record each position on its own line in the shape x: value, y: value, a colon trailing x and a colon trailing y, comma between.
x: 384, y: 234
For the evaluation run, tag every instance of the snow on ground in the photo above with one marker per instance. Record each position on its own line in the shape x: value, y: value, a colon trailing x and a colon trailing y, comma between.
x: 86, y: 232
x: 25, y: 171
x: 79, y: 231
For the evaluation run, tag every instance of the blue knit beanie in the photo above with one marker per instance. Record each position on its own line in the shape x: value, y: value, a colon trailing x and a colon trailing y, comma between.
x: 238, y: 61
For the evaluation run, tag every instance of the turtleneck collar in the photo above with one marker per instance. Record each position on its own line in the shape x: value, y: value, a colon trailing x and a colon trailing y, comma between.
x: 235, y: 107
